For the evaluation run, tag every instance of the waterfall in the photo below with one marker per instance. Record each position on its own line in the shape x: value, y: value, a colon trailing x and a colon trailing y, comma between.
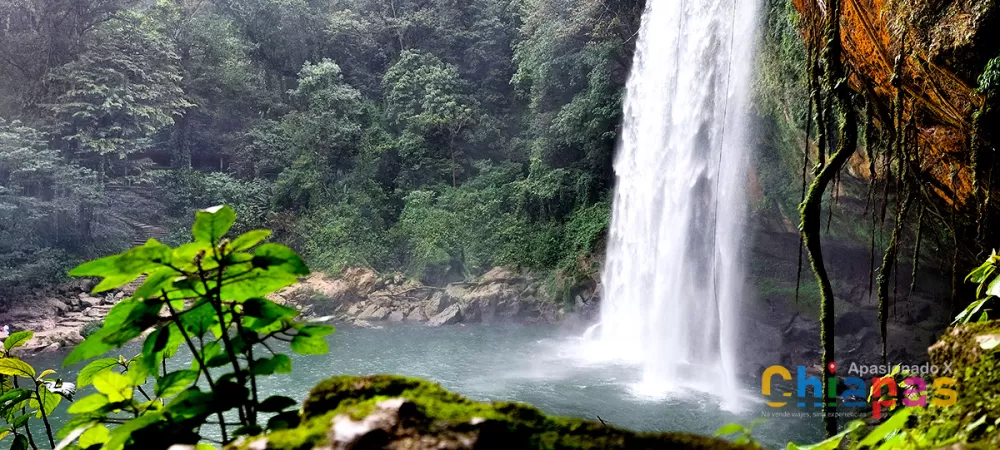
x: 673, y: 279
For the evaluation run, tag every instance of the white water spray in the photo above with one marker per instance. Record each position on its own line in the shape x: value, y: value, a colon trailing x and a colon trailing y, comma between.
x: 674, y: 271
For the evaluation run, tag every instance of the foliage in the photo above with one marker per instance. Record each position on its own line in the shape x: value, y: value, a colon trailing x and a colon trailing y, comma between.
x: 46, y: 209
x: 18, y: 405
x: 207, y: 296
x: 985, y: 277
x: 741, y: 434
x: 349, y: 127
x: 119, y: 91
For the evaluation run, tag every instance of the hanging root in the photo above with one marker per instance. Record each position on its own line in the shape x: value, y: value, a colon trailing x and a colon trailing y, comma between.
x: 885, y: 271
x: 916, y: 251
x: 954, y: 238
x: 811, y: 61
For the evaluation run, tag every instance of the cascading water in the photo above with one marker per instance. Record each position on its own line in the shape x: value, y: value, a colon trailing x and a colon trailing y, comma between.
x: 673, y: 276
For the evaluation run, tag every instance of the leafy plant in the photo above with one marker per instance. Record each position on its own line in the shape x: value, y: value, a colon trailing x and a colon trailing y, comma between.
x: 207, y: 296
x: 20, y: 401
x: 742, y: 434
x: 986, y: 277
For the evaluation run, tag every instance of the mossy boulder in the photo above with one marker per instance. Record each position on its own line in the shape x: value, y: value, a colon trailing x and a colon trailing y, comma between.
x: 971, y: 352
x: 386, y: 411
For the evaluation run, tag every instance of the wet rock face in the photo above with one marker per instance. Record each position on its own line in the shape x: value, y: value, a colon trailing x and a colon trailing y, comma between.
x: 390, y: 412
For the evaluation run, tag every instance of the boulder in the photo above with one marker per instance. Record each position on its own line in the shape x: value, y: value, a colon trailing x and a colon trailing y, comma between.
x: 450, y: 316
x: 417, y: 315
x: 397, y: 316
x: 387, y: 411
x: 90, y: 301
x: 374, y: 312
x: 438, y: 303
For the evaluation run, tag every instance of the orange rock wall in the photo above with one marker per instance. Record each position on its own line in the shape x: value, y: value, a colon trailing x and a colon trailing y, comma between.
x: 940, y: 101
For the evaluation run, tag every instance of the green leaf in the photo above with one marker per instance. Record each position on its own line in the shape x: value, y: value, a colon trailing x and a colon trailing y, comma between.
x: 266, y: 312
x: 86, y: 376
x: 120, y: 435
x: 96, y: 435
x: 276, y: 403
x: 20, y: 443
x: 12, y: 398
x: 893, y: 424
x: 16, y: 367
x: 211, y: 224
x: 175, y: 382
x: 209, y: 351
x: 199, y: 319
x: 155, y: 283
x: 248, y: 239
x: 121, y: 269
x: 279, y: 257
x: 90, y: 403
x: 143, y: 315
x: 730, y: 429
x: 49, y: 401
x: 277, y: 364
x: 257, y: 283
x: 94, y: 344
x: 831, y: 443
x: 203, y: 446
x: 114, y: 385
x: 316, y: 330
x: 283, y: 421
x: 17, y: 339
x: 309, y: 345
x: 19, y: 421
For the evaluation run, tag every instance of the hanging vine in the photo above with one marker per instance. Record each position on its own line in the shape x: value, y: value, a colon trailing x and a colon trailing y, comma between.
x: 810, y: 73
x: 811, y: 208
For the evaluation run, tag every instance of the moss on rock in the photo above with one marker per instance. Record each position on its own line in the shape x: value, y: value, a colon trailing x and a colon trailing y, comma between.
x: 974, y: 420
x: 387, y: 411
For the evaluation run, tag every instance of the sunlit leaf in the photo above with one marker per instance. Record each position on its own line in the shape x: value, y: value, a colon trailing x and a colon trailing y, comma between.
x: 16, y: 367
x: 114, y: 385
x: 17, y: 339
x: 309, y: 345
x: 90, y: 403
x: 248, y: 239
x: 175, y: 382
x: 86, y: 375
x: 49, y: 401
x: 212, y: 223
x: 95, y: 435
x: 155, y: 283
x: 892, y: 425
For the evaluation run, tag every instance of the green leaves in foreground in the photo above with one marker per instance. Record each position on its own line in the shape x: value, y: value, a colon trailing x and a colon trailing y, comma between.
x: 210, y: 297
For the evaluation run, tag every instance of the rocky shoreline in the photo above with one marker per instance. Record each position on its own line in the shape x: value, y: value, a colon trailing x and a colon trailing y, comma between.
x: 358, y: 296
x: 362, y: 297
x: 62, y: 318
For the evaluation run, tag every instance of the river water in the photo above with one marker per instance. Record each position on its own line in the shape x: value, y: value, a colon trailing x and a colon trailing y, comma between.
x: 532, y: 364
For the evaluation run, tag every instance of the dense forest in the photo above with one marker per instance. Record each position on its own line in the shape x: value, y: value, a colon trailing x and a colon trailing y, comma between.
x: 435, y: 137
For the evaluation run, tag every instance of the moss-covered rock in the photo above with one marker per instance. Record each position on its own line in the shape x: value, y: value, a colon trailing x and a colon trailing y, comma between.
x: 386, y: 411
x: 970, y: 351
